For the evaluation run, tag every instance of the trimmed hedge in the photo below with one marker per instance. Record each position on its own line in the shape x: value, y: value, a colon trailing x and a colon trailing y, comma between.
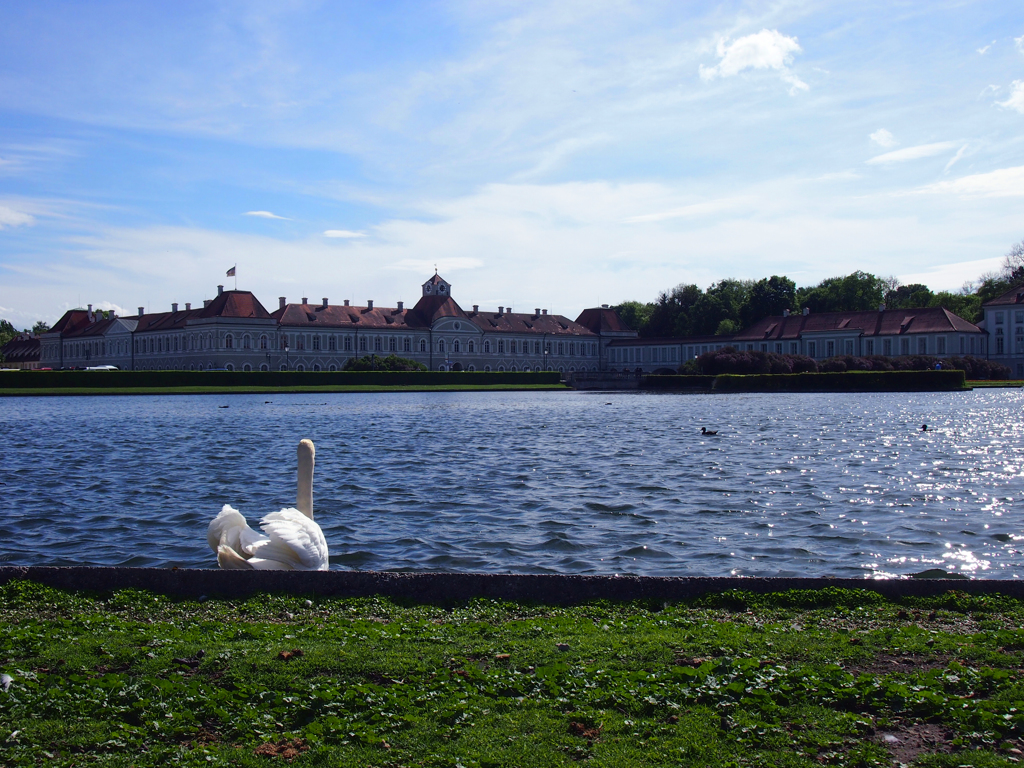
x: 849, y: 381
x: 107, y: 379
x: 677, y: 382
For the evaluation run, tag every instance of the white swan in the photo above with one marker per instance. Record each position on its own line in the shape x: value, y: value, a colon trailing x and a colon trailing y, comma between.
x: 293, y: 542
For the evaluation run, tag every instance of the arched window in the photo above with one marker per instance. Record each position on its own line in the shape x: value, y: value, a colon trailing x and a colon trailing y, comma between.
x: 263, y: 342
x: 284, y: 367
x: 471, y: 345
x: 230, y: 367
x: 455, y: 346
x: 264, y: 367
x: 316, y: 366
x: 246, y: 342
x: 487, y: 368
x: 501, y: 368
x: 423, y: 345
x: 229, y: 341
x: 332, y: 367
x: 440, y: 345
x: 300, y: 367
x: 246, y: 367
x: 487, y: 348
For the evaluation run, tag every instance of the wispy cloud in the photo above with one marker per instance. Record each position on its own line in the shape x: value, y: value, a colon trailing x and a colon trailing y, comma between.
x: 1006, y: 182
x: 1019, y: 41
x: 984, y: 49
x: 12, y: 218
x: 956, y: 157
x: 266, y: 215
x: 768, y: 49
x: 883, y: 138
x: 1016, y: 100
x: 912, y: 153
x: 346, y: 233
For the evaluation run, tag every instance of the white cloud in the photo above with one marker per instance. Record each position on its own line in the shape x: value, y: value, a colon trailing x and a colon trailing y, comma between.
x: 343, y: 233
x: 1006, y: 182
x: 12, y: 218
x: 883, y: 138
x: 984, y: 50
x: 912, y: 153
x: 1016, y: 100
x: 768, y: 49
x: 1020, y: 43
x: 266, y: 215
x: 956, y: 157
x: 120, y: 311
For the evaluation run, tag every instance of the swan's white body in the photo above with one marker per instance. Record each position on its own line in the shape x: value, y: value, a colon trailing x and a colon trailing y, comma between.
x: 293, y: 542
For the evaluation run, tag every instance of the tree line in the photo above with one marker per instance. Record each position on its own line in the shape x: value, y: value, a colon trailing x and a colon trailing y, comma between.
x: 730, y: 305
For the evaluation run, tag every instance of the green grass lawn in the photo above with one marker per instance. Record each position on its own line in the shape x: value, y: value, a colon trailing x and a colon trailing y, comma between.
x: 998, y: 384
x: 793, y: 679
x: 72, y: 391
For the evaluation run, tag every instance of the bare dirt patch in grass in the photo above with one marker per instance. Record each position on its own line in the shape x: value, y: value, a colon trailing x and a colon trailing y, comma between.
x: 907, y: 741
x: 286, y: 749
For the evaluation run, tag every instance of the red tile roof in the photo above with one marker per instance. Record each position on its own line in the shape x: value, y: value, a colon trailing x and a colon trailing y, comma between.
x: 23, y: 348
x: 235, y: 304
x: 602, y: 319
x: 511, y: 322
x: 333, y: 316
x: 891, y: 322
x: 70, y: 320
x: 1013, y: 296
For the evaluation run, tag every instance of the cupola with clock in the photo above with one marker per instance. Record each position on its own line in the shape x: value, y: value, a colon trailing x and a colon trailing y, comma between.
x: 437, y: 286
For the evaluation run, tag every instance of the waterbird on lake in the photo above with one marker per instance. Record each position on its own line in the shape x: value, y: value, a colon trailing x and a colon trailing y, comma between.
x: 924, y: 427
x: 706, y: 431
x: 293, y: 542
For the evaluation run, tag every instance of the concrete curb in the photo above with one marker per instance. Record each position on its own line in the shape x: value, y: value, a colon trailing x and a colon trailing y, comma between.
x: 456, y: 587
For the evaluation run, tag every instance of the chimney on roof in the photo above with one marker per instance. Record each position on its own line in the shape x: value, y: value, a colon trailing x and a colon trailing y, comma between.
x: 220, y: 289
x: 174, y: 306
x: 807, y: 311
x: 281, y: 301
x: 501, y: 310
x: 346, y: 302
x: 207, y: 302
x: 401, y: 306
x: 476, y: 307
x: 325, y: 302
x: 881, y: 307
x: 536, y: 312
x: 543, y: 311
x: 142, y: 311
x: 305, y: 300
x: 369, y: 303
x: 188, y: 306
x: 604, y: 306
x: 785, y: 313
x: 90, y: 309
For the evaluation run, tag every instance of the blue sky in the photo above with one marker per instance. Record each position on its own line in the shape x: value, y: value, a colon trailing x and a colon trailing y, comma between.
x: 555, y: 155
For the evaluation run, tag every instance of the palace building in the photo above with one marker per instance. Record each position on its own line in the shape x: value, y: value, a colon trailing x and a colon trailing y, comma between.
x: 235, y: 331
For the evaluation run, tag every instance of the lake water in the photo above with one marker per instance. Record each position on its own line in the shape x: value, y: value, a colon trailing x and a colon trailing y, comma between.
x: 598, y: 483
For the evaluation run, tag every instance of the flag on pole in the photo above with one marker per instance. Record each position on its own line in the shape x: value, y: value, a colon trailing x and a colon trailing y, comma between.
x: 231, y: 272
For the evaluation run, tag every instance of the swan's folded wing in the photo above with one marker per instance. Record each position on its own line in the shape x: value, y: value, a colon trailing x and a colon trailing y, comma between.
x: 230, y: 529
x: 294, y: 539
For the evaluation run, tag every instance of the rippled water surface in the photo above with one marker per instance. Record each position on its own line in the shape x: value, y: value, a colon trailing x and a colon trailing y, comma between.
x: 814, y: 485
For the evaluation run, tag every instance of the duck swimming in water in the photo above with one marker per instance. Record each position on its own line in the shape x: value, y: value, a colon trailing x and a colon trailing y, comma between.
x: 706, y: 431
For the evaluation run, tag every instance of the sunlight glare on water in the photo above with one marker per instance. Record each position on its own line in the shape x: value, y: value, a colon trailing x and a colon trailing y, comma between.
x: 563, y: 482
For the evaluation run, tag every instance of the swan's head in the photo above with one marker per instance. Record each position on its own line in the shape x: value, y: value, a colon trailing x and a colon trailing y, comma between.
x: 306, y: 449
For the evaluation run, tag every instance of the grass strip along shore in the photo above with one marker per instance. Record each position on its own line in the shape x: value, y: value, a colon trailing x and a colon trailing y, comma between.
x: 799, y: 678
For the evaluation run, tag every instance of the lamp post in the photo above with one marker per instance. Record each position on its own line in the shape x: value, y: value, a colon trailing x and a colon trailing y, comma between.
x: 287, y: 357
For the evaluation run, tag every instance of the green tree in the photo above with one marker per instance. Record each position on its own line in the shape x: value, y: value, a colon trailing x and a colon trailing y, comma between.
x: 850, y: 293
x: 907, y: 296
x: 967, y: 306
x: 636, y: 315
x: 390, y: 363
x: 671, y: 315
x: 769, y: 296
x: 41, y: 326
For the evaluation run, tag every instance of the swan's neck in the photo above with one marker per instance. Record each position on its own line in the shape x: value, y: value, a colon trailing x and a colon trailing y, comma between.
x: 304, y: 500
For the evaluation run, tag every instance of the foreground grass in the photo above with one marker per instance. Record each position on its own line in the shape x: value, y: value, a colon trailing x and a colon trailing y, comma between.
x: 795, y: 679
x: 72, y: 391
x: 997, y: 384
